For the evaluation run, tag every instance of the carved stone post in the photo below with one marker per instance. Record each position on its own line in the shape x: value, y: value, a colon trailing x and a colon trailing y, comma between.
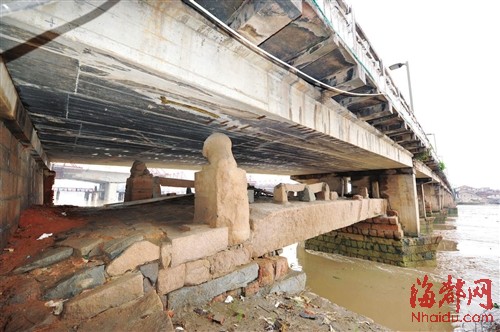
x: 221, y: 198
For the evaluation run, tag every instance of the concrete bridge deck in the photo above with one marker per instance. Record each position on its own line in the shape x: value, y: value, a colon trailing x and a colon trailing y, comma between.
x: 109, y: 82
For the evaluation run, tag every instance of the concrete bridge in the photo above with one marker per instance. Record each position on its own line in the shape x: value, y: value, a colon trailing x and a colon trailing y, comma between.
x: 296, y: 85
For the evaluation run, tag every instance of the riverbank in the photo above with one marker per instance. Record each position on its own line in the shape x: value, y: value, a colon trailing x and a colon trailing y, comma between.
x: 472, y: 253
x: 275, y: 312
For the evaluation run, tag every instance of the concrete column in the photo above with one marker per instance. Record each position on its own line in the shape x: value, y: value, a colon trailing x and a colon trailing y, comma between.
x: 401, y: 193
x: 421, y: 196
x: 110, y: 194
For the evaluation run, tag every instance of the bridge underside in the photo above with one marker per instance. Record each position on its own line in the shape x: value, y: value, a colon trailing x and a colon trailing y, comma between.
x: 94, y: 97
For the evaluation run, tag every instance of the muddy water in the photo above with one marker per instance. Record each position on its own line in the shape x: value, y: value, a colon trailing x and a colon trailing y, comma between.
x: 382, y: 292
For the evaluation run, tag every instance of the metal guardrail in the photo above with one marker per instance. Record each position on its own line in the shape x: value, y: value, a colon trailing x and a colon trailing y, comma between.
x: 341, y: 19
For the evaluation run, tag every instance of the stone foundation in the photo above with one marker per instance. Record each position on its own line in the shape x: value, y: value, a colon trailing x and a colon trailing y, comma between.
x: 378, y: 239
x: 192, y: 266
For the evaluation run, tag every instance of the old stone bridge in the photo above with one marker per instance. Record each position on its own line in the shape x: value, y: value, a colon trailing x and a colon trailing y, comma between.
x: 295, y: 85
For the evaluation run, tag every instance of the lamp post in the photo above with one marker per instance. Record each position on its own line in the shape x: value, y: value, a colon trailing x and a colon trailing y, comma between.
x: 399, y: 65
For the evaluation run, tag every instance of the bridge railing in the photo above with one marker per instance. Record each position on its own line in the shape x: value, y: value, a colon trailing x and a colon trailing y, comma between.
x: 341, y: 19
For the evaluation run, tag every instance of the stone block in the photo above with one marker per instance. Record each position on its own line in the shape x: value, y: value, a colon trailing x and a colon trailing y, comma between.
x: 393, y: 220
x: 150, y: 272
x: 197, y: 272
x: 251, y: 289
x: 280, y: 195
x: 266, y: 271
x: 334, y: 195
x: 201, y: 241
x: 226, y: 261
x: 115, y: 247
x: 82, y: 246
x: 251, y: 196
x: 142, y: 314
x: 74, y: 285
x: 280, y: 266
x: 171, y: 278
x: 363, y: 192
x: 46, y: 258
x: 307, y: 195
x: 203, y: 293
x: 113, y: 294
x: 166, y: 254
x: 137, y: 254
x: 294, y: 282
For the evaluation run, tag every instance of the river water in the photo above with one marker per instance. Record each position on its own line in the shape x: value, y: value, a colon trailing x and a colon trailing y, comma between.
x: 382, y: 292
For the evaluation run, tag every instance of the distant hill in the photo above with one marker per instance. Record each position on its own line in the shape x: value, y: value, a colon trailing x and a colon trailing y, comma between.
x: 470, y: 195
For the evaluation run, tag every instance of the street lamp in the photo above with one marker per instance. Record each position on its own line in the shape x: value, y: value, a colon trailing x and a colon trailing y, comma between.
x: 399, y: 65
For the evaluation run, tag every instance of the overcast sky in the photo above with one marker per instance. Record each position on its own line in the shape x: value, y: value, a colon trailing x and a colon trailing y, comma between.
x: 452, y: 48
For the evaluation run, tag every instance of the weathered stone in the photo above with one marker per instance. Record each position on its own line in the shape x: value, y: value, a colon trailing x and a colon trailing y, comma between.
x: 143, y: 314
x: 208, y: 242
x: 251, y: 195
x: 280, y: 194
x: 166, y: 254
x: 280, y: 266
x: 82, y: 246
x: 201, y: 294
x: 147, y: 285
x: 363, y: 192
x: 334, y: 195
x: 294, y: 282
x: 150, y: 271
x: 115, y: 247
x: 171, y: 278
x: 276, y: 226
x: 226, y: 261
x: 266, y: 271
x: 357, y: 197
x: 86, y: 279
x: 46, y: 258
x: 221, y: 190
x: 197, y: 272
x: 135, y: 255
x: 113, y: 294
x: 140, y: 184
x: 252, y: 288
x: 307, y: 195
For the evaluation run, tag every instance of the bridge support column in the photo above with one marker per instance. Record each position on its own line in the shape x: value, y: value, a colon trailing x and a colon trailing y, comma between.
x: 400, y: 189
x: 110, y: 194
x: 421, y: 200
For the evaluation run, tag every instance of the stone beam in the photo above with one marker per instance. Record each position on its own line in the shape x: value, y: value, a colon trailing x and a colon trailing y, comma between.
x: 275, y: 226
x: 258, y: 20
x: 17, y: 120
x: 169, y: 182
